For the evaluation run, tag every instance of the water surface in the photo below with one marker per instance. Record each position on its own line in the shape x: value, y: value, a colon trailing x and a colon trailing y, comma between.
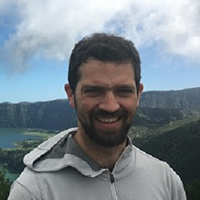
x: 9, y: 136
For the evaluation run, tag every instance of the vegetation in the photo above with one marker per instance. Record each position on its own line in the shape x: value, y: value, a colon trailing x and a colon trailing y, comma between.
x: 179, y: 147
x: 51, y: 115
x: 187, y: 99
x: 40, y: 132
x: 4, y: 186
x: 193, y: 190
x: 12, y: 159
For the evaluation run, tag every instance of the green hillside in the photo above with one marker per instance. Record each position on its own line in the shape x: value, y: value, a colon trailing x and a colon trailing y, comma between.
x: 178, y: 146
x: 52, y: 115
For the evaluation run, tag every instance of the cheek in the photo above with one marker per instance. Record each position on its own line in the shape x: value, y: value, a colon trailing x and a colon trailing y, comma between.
x: 83, y: 107
x: 88, y: 103
x: 130, y: 105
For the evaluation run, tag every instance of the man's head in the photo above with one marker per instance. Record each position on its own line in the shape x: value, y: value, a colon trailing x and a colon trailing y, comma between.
x: 104, y: 87
x: 103, y: 47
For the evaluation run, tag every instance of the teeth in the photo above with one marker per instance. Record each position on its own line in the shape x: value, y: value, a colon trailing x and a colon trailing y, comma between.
x: 108, y: 120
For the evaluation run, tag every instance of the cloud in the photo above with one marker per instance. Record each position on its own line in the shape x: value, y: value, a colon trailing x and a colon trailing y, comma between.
x: 50, y: 28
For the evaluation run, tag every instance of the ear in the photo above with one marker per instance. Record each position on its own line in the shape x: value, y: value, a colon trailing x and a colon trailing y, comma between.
x: 139, y: 93
x: 70, y: 95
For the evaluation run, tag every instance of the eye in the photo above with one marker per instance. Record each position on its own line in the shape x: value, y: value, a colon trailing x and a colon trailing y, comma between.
x: 125, y: 92
x: 92, y: 92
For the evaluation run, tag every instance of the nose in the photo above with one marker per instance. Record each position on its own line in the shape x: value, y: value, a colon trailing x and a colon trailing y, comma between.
x: 109, y: 102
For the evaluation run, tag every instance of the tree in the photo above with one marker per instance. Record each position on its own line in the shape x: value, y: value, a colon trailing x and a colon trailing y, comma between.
x: 4, y: 186
x: 193, y: 190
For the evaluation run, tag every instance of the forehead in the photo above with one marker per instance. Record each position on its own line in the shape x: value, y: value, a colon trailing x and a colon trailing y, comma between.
x: 99, y: 72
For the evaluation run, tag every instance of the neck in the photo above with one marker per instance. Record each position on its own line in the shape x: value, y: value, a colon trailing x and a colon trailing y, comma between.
x: 105, y: 157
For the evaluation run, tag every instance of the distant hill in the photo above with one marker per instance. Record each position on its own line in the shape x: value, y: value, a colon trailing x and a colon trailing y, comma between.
x: 187, y: 99
x: 156, y: 108
x: 52, y: 115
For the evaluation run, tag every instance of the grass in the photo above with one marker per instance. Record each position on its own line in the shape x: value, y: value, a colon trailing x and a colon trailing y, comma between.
x: 40, y: 133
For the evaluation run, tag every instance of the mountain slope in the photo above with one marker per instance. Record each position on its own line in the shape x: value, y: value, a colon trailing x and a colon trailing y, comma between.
x: 187, y: 99
x: 156, y: 109
x: 54, y: 115
x: 178, y: 147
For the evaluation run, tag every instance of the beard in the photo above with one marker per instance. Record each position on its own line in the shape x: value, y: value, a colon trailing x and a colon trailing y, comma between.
x: 106, y: 138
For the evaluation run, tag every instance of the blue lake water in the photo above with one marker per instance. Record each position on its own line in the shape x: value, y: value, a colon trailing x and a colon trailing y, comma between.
x: 9, y: 175
x: 9, y: 136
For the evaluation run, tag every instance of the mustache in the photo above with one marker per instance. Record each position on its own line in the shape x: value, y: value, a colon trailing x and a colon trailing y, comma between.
x: 103, y: 113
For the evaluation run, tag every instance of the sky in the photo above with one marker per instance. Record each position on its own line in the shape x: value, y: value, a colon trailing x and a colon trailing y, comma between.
x: 37, y: 37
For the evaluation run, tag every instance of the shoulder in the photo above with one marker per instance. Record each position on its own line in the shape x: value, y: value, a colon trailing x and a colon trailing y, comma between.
x: 160, y: 171
x: 155, y: 166
x: 45, y: 147
x: 25, y: 187
x: 144, y: 159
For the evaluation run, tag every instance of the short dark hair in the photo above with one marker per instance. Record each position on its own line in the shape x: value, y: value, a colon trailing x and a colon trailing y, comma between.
x: 103, y: 47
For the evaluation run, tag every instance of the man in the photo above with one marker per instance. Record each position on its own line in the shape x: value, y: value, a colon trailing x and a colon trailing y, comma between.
x: 97, y: 160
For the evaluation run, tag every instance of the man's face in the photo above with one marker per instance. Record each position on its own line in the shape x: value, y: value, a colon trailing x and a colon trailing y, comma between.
x: 105, y: 101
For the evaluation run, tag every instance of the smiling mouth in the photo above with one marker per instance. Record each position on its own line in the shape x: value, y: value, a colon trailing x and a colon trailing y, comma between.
x: 107, y: 120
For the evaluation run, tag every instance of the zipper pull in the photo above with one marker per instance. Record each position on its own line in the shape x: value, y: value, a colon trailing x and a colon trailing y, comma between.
x: 112, y: 179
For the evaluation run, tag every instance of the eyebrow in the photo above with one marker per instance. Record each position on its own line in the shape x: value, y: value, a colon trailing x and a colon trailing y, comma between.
x: 97, y: 87
x: 126, y: 87
x: 91, y: 87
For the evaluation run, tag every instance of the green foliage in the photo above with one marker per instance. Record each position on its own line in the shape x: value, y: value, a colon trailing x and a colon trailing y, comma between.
x: 178, y: 147
x: 51, y: 115
x: 157, y: 116
x: 187, y: 99
x: 4, y: 186
x: 12, y: 159
x: 193, y: 190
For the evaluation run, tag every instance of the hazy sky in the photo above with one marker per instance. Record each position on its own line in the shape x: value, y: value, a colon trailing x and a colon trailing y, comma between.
x: 37, y: 36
